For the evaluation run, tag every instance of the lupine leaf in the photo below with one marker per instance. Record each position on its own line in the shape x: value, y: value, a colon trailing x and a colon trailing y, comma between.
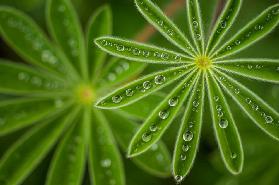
x: 159, y: 120
x: 100, y: 24
x: 189, y: 133
x: 255, y: 30
x: 164, y: 25
x: 156, y: 161
x: 260, y: 69
x: 68, y: 164
x: 146, y: 105
x: 64, y: 27
x: 140, y: 52
x: 28, y: 40
x: 119, y: 71
x: 260, y: 112
x: 194, y: 18
x: 105, y: 161
x: 141, y: 88
x: 225, y: 129
x: 20, y: 79
x: 19, y: 113
x: 26, y: 154
x: 223, y: 23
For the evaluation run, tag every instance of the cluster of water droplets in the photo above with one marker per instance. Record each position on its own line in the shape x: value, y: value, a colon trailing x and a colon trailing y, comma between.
x: 37, y: 81
x: 117, y: 69
x: 143, y: 52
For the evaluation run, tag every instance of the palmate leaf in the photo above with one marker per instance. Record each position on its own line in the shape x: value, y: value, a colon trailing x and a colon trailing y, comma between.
x: 156, y: 161
x: 104, y: 158
x: 159, y: 120
x: 189, y: 133
x: 28, y: 40
x: 20, y: 79
x: 261, y: 113
x: 225, y: 129
x: 223, y: 24
x: 100, y: 24
x: 68, y: 163
x: 140, y: 52
x: 260, y: 69
x: 22, y: 112
x: 195, y: 21
x: 64, y: 27
x: 25, y: 155
x: 142, y: 87
x: 164, y: 25
x: 255, y: 30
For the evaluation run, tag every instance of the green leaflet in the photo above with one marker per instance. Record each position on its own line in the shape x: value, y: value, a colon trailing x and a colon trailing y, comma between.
x: 20, y: 79
x: 164, y: 25
x: 22, y: 112
x: 195, y: 21
x: 105, y: 161
x: 255, y: 30
x: 159, y: 120
x: 156, y: 161
x: 100, y: 24
x: 189, y: 133
x: 260, y: 69
x: 140, y: 52
x: 146, y: 105
x: 118, y: 71
x: 68, y: 163
x: 225, y: 129
x: 141, y: 88
x: 223, y: 24
x: 64, y: 27
x: 28, y: 40
x: 20, y: 160
x: 260, y: 112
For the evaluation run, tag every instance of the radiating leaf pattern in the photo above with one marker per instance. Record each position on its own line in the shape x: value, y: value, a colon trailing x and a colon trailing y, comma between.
x: 206, y: 59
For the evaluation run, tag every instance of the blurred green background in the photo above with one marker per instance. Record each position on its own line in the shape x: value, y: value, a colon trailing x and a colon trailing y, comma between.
x: 261, y: 166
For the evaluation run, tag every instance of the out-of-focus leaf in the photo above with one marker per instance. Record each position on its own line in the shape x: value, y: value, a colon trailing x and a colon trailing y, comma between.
x: 104, y: 158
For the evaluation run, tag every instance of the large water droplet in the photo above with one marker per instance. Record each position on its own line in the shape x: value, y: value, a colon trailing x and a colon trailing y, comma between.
x: 129, y: 92
x: 147, y: 85
x: 268, y: 119
x: 223, y: 123
x: 159, y: 79
x: 188, y: 135
x: 146, y: 137
x: 164, y: 114
x: 116, y: 99
x: 173, y: 101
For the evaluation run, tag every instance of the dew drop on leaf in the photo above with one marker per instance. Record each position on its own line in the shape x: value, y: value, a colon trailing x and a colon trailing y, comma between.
x: 173, y: 101
x: 233, y: 155
x: 129, y: 92
x: 223, y: 123
x: 268, y: 119
x: 185, y: 148
x: 178, y: 178
x: 164, y: 114
x: 147, y: 85
x: 183, y: 157
x: 159, y: 79
x: 153, y: 128
x: 188, y: 136
x: 216, y: 98
x: 116, y: 99
x: 146, y: 137
x: 106, y: 163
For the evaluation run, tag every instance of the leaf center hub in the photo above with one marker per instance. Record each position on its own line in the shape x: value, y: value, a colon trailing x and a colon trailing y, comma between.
x: 85, y: 94
x: 203, y: 62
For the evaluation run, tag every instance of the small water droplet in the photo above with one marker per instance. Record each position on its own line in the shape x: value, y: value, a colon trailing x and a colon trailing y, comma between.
x: 223, y: 24
x: 147, y: 85
x: 188, y: 135
x: 164, y: 56
x: 268, y: 119
x: 233, y: 155
x: 106, y: 163
x: 153, y: 128
x: 236, y: 91
x: 136, y: 51
x: 237, y: 42
x: 164, y: 114
x: 198, y: 36
x: 159, y: 79
x: 23, y: 76
x: 218, y: 107
x: 120, y: 48
x: 146, y: 53
x: 154, y: 147
x: 111, y: 77
x: 229, y: 48
x: 216, y: 98
x: 129, y: 92
x: 116, y: 99
x: 104, y: 42
x: 223, y: 123
x: 195, y: 24
x: 185, y: 148
x: 196, y: 103
x: 183, y: 157
x: 258, y: 27
x: 178, y: 178
x: 248, y: 100
x: 146, y: 137
x: 173, y: 101
x: 220, y: 113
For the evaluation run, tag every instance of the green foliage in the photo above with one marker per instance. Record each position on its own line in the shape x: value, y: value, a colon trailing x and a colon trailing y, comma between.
x: 51, y: 101
x: 206, y: 58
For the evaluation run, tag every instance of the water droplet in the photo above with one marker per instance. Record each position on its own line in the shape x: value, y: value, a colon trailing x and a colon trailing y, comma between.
x: 164, y: 56
x: 159, y: 79
x: 223, y: 24
x: 136, y: 51
x: 178, y: 178
x: 146, y: 137
x: 147, y: 85
x: 164, y: 114
x: 233, y: 155
x: 173, y: 101
x: 104, y: 42
x: 183, y: 157
x: 146, y: 53
x: 216, y: 98
x: 125, y: 65
x: 223, y: 123
x: 178, y: 57
x: 198, y: 36
x: 23, y: 76
x: 116, y: 99
x: 236, y: 91
x: 248, y: 100
x: 120, y: 48
x: 170, y: 32
x: 220, y: 113
x: 36, y: 81
x: 218, y: 107
x: 185, y: 148
x: 237, y: 42
x: 255, y: 107
x: 196, y: 103
x: 111, y: 77
x: 229, y: 48
x: 268, y: 119
x: 106, y: 163
x: 188, y: 135
x: 153, y: 128
x: 258, y: 27
x: 154, y: 147
x: 129, y: 92
x: 195, y: 24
